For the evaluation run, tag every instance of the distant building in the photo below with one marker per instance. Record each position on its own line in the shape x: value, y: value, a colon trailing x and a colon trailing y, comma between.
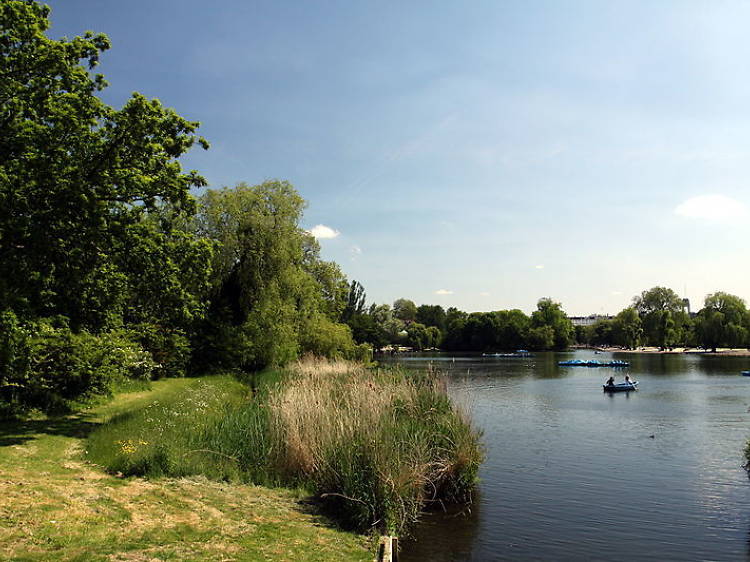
x: 588, y: 320
x: 686, y: 306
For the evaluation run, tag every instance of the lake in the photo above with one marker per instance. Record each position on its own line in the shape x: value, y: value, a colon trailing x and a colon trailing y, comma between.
x: 573, y: 473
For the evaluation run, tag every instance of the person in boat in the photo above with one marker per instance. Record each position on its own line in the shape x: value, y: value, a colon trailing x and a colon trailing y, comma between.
x: 611, y: 381
x: 627, y: 380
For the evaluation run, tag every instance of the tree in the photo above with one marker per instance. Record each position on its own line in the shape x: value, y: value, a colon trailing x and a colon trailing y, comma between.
x: 550, y: 313
x: 662, y: 316
x: 657, y: 299
x: 268, y: 287
x: 355, y: 304
x: 78, y: 178
x: 514, y: 327
x: 723, y: 321
x: 431, y: 315
x: 600, y: 332
x: 626, y: 328
x: 455, y: 324
x: 541, y: 337
x: 389, y: 327
x: 405, y: 310
x: 418, y: 337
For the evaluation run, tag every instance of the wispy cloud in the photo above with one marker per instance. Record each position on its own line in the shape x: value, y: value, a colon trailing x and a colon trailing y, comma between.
x: 354, y: 252
x: 712, y: 206
x: 540, y: 266
x: 443, y: 292
x: 321, y: 231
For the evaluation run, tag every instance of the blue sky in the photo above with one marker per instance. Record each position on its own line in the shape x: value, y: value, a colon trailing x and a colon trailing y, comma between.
x: 475, y: 154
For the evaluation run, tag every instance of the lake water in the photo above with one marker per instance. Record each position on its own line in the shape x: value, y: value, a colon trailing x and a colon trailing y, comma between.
x: 573, y: 473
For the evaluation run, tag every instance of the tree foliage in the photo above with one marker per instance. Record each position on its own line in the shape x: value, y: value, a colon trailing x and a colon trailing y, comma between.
x: 723, y: 321
x: 78, y: 177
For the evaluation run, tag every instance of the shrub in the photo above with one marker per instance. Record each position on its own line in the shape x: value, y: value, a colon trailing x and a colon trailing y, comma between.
x: 47, y: 366
x: 169, y: 348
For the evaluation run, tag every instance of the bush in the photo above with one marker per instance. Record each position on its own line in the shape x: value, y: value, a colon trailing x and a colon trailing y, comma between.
x: 15, y: 358
x: 49, y: 367
x: 169, y: 348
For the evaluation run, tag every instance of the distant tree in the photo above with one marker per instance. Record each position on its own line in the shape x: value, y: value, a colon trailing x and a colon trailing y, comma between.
x: 627, y: 329
x: 405, y: 310
x: 601, y: 332
x: 390, y: 328
x: 434, y: 336
x: 513, y: 329
x: 657, y: 299
x: 334, y: 287
x: 581, y: 334
x: 417, y: 336
x: 541, y: 337
x: 550, y: 313
x: 481, y: 331
x: 455, y: 337
x: 662, y: 316
x: 431, y: 315
x: 723, y: 321
x: 355, y: 304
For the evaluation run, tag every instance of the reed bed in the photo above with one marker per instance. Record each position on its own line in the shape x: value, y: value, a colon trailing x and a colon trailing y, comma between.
x: 377, y: 446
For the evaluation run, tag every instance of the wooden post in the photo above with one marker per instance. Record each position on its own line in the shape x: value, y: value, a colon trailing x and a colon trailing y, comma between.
x: 387, y: 549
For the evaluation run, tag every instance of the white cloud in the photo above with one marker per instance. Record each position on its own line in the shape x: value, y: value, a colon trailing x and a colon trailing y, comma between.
x: 540, y: 266
x: 484, y: 294
x: 616, y: 293
x: 712, y: 207
x: 443, y: 292
x: 321, y: 231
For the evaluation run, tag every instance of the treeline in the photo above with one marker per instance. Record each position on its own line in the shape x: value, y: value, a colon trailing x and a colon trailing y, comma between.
x: 658, y: 317
x: 110, y: 270
x: 431, y: 326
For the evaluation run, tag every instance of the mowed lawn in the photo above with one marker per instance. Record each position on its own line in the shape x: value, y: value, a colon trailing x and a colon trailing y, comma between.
x: 55, y: 506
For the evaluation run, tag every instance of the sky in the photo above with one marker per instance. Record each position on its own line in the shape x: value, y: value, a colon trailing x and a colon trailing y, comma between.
x: 472, y: 154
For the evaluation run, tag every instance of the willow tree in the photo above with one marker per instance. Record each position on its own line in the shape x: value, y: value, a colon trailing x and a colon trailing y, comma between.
x: 271, y: 293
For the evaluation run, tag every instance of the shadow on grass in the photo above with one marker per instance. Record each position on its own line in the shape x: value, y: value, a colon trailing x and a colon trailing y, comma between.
x: 20, y: 432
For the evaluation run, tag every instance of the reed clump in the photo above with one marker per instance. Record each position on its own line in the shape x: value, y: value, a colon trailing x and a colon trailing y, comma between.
x: 377, y: 446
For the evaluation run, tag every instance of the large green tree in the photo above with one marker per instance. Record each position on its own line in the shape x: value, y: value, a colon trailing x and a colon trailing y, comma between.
x: 550, y: 314
x: 272, y: 297
x: 723, y: 321
x: 78, y: 179
x: 627, y: 328
x: 662, y: 316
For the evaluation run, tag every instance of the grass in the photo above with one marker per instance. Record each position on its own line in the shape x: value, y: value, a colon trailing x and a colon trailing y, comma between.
x: 56, y: 506
x: 374, y: 446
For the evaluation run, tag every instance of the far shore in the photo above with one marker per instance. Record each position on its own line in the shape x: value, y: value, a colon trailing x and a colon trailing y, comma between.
x: 725, y: 351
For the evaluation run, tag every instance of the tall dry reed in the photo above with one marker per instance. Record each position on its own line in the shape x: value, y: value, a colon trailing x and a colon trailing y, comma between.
x: 375, y: 445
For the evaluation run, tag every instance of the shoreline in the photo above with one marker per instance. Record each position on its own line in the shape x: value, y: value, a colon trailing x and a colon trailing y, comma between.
x: 722, y: 351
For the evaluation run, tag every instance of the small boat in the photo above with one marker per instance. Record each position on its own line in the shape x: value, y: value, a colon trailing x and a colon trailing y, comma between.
x: 745, y: 373
x: 621, y: 387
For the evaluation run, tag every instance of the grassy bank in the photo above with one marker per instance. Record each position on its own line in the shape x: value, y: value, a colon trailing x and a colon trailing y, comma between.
x: 374, y: 446
x: 56, y: 506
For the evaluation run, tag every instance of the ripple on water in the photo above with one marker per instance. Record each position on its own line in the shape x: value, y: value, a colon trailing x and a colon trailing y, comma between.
x: 572, y: 473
